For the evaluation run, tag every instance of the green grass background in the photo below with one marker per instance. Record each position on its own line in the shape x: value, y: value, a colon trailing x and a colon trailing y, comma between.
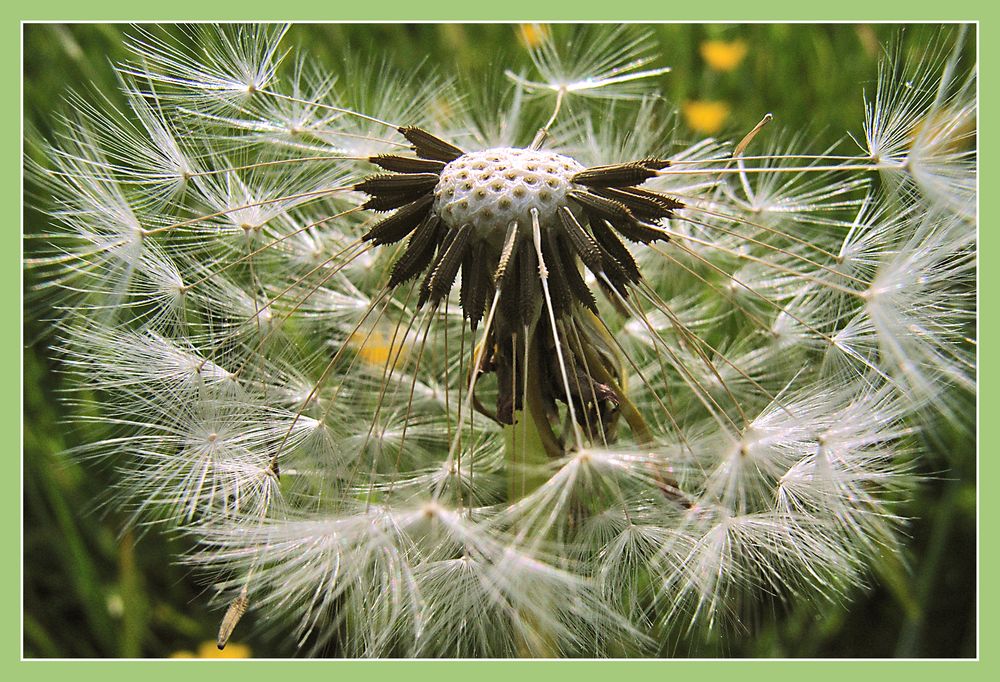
x: 93, y: 589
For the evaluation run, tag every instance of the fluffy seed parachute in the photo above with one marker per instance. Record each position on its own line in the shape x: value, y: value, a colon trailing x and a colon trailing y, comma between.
x: 534, y: 378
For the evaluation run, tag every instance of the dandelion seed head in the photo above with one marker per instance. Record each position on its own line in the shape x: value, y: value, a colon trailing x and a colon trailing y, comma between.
x: 528, y: 373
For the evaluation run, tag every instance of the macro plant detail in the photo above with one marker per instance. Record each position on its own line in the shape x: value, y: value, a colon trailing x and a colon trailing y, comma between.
x: 430, y: 371
x: 479, y: 202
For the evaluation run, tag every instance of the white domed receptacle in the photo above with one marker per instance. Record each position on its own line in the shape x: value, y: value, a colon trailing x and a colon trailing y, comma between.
x: 492, y: 188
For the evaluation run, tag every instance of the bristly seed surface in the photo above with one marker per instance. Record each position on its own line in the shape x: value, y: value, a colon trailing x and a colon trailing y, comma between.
x: 495, y: 187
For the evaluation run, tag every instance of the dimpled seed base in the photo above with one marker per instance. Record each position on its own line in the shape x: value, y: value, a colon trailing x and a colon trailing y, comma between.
x: 492, y: 188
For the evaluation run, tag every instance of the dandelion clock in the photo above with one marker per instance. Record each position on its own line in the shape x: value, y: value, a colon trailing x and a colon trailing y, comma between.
x: 533, y: 363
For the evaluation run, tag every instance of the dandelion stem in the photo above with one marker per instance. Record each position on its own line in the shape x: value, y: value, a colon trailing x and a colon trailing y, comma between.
x: 528, y: 445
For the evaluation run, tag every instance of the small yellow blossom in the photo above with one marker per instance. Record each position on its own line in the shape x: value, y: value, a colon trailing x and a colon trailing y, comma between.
x: 723, y: 55
x: 533, y: 35
x: 210, y: 650
x: 704, y: 116
x: 375, y: 349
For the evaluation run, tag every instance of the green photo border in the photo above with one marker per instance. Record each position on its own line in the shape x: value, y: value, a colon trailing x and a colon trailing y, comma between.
x: 487, y: 671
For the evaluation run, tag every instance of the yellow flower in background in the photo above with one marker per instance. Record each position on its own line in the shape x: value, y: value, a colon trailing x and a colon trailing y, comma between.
x: 375, y: 349
x: 723, y: 55
x: 210, y: 650
x: 533, y: 35
x: 704, y: 116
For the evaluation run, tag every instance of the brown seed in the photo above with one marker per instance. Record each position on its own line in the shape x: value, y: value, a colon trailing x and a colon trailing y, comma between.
x: 391, y: 201
x: 476, y: 286
x: 617, y: 175
x: 655, y: 164
x: 617, y: 213
x: 428, y: 146
x: 610, y: 209
x: 389, y: 183
x: 615, y: 255
x: 574, y: 280
x: 400, y: 223
x: 582, y: 243
x: 234, y: 613
x: 404, y: 164
x: 443, y: 275
x: 418, y: 254
x: 643, y: 203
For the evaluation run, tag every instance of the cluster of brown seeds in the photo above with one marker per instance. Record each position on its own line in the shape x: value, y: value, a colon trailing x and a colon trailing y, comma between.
x: 516, y: 222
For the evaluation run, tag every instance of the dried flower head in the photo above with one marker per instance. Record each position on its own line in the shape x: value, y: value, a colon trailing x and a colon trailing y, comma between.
x: 533, y: 377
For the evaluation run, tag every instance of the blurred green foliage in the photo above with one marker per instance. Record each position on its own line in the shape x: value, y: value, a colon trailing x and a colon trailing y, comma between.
x: 94, y: 587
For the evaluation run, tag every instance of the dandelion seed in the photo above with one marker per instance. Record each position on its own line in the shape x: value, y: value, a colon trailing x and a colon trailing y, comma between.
x: 233, y: 615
